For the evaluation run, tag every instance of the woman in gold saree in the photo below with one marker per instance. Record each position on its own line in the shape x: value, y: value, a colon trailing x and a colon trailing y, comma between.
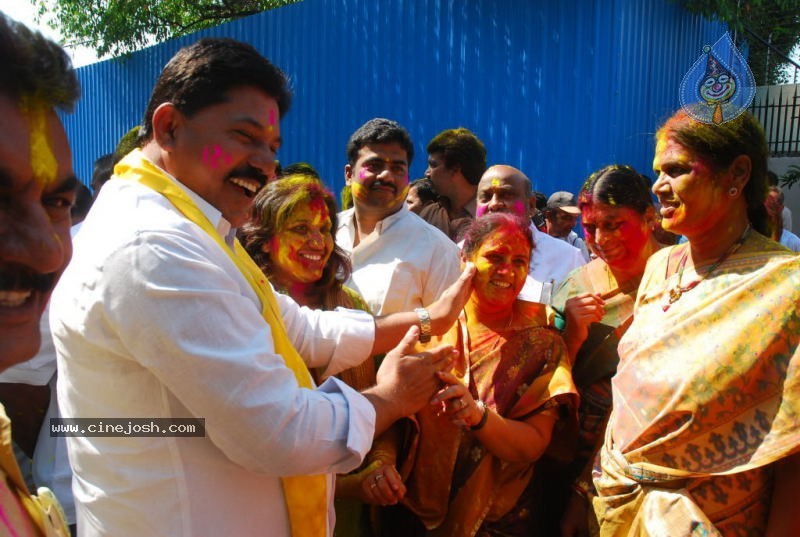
x: 473, y: 456
x: 705, y: 429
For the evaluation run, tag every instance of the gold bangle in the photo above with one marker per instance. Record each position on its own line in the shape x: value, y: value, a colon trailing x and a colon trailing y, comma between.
x: 484, y: 418
x: 583, y: 489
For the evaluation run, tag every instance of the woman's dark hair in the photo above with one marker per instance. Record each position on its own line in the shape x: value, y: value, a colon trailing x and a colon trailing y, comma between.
x: 425, y: 190
x: 719, y: 145
x: 482, y: 227
x: 271, y: 209
x: 618, y: 186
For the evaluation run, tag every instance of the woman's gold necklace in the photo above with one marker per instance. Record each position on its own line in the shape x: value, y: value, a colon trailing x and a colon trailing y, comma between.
x: 676, y: 292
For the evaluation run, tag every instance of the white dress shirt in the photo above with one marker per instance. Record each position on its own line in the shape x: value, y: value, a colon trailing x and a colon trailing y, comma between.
x: 551, y: 260
x: 152, y: 319
x: 405, y: 263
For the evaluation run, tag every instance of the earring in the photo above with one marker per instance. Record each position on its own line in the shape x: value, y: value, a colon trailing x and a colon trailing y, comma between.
x: 733, y: 191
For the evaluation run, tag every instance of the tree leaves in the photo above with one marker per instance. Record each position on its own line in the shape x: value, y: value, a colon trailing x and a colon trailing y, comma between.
x: 118, y: 27
x: 777, y: 22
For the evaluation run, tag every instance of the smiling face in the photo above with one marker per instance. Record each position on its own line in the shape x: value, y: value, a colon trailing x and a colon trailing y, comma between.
x: 618, y: 235
x: 693, y: 198
x: 379, y: 178
x: 37, y: 189
x: 224, y: 152
x: 501, y: 263
x: 718, y: 88
x: 300, y: 251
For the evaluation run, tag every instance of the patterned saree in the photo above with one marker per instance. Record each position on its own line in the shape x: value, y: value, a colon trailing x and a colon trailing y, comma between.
x: 455, y: 486
x: 705, y: 399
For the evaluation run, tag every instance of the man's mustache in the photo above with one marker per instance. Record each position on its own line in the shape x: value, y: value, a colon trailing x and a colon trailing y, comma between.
x: 248, y: 172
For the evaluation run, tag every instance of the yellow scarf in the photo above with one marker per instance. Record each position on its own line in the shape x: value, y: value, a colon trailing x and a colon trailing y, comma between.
x: 306, y: 496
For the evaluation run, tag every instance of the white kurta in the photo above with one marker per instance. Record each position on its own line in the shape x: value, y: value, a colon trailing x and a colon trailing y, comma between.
x: 551, y: 260
x: 153, y: 320
x: 405, y: 263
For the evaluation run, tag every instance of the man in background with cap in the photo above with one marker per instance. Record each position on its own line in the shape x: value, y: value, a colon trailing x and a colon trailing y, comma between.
x: 561, y: 215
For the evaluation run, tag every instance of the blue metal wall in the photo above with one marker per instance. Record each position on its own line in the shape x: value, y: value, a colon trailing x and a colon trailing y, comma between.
x: 555, y: 88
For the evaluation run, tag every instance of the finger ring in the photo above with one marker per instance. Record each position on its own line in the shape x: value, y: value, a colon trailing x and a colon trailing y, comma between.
x: 379, y: 476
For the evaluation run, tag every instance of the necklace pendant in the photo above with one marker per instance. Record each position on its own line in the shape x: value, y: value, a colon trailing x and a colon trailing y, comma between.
x: 675, y: 294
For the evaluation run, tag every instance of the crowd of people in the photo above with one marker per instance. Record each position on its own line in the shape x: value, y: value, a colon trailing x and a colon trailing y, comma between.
x: 440, y: 357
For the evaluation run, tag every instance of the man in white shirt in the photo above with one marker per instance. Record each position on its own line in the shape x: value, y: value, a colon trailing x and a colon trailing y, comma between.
x: 775, y: 209
x: 400, y: 262
x: 561, y: 215
x: 506, y: 189
x: 161, y: 315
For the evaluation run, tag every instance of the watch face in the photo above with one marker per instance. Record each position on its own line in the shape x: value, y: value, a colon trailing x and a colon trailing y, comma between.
x: 424, y: 325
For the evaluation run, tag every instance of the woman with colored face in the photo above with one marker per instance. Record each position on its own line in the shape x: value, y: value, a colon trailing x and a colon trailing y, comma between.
x: 704, y: 436
x: 597, y: 302
x: 290, y: 237
x: 474, y: 453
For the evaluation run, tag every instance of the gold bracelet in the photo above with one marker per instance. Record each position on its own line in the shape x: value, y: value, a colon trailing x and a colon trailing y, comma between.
x: 484, y: 418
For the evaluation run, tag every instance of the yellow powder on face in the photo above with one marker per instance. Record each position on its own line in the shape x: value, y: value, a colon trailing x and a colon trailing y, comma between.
x: 495, y: 183
x: 43, y: 161
x: 359, y: 192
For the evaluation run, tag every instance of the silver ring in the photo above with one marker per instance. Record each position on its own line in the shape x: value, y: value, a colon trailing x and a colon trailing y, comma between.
x: 379, y: 476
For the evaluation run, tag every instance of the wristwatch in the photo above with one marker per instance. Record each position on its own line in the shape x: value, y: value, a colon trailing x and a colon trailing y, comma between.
x: 424, y: 325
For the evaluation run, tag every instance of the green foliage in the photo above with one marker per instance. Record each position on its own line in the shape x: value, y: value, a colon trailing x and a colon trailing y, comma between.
x: 775, y: 21
x: 117, y: 27
x: 791, y: 177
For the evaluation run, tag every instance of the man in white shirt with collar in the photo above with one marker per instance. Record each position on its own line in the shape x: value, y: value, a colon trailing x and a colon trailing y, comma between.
x: 400, y: 262
x: 506, y: 189
x: 163, y: 316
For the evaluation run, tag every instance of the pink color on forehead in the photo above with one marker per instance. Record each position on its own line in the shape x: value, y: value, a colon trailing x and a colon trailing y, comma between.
x: 317, y: 205
x: 272, y: 117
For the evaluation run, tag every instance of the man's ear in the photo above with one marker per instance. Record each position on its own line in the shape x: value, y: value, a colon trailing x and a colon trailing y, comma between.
x: 166, y: 120
x: 348, y: 174
x: 531, y: 206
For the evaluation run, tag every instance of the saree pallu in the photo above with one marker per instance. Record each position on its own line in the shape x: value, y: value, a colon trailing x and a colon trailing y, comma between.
x: 596, y: 361
x: 455, y: 486
x: 706, y: 398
